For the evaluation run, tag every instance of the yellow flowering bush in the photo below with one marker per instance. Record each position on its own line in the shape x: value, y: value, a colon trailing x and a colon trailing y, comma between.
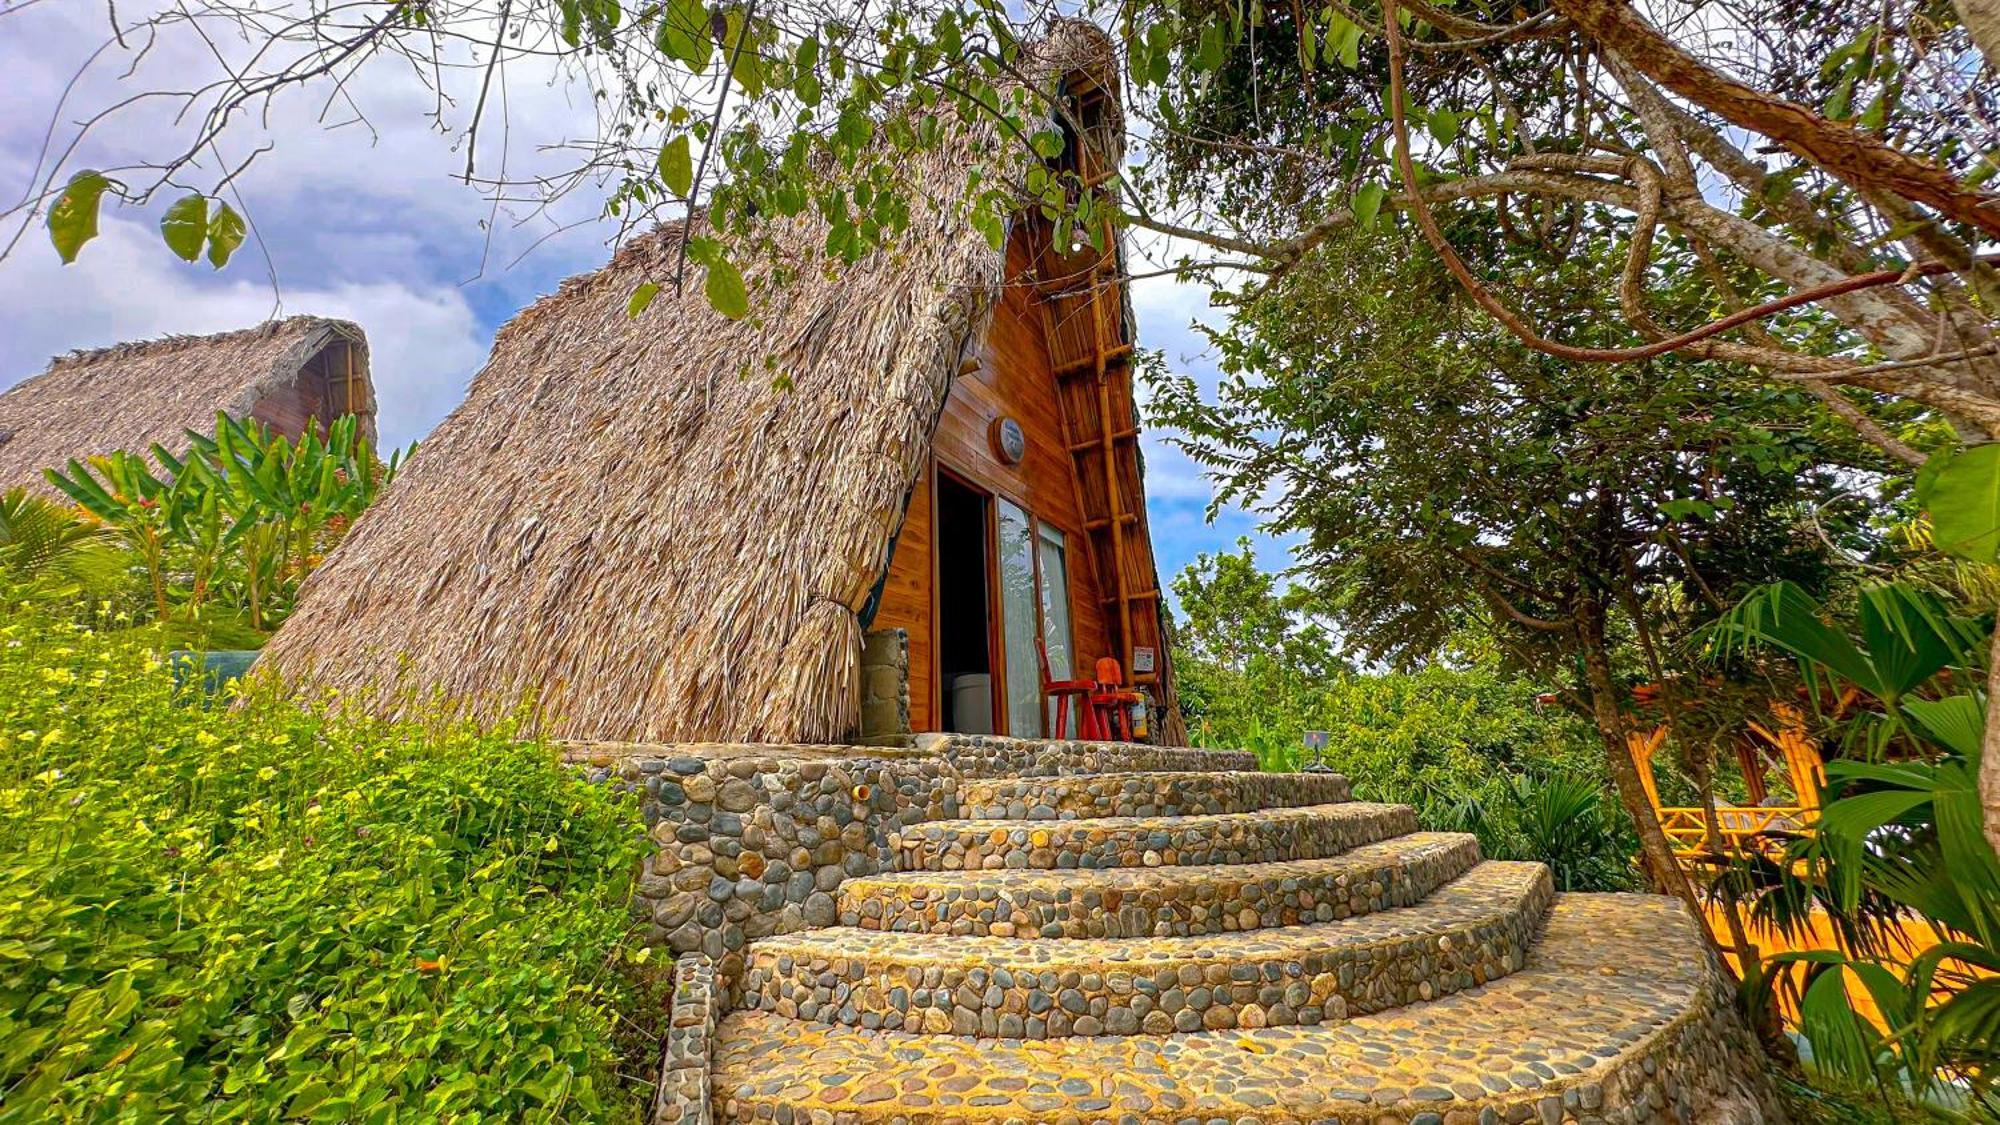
x: 266, y: 913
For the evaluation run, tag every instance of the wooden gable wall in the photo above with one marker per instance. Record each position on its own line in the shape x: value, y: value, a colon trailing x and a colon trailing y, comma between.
x: 1057, y: 359
x: 329, y: 385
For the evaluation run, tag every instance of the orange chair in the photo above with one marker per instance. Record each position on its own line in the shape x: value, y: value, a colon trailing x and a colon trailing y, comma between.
x: 1111, y: 702
x: 1060, y: 691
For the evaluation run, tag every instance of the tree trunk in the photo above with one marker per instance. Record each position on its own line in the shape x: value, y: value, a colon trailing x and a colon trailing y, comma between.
x: 1982, y: 21
x: 1663, y: 873
x: 1989, y: 747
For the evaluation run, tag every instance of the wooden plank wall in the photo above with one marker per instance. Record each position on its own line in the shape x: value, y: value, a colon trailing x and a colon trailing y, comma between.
x: 1014, y: 379
x: 1058, y: 359
x: 320, y: 392
x: 906, y: 601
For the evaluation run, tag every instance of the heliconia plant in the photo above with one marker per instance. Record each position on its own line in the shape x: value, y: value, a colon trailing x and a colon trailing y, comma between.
x: 243, y: 504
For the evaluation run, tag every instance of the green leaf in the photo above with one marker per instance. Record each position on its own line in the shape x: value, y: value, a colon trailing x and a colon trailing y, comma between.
x: 1368, y: 203
x: 677, y: 166
x: 226, y: 231
x: 683, y: 34
x: 641, y: 297
x: 724, y: 289
x: 73, y: 217
x: 185, y: 226
x: 1956, y: 721
x: 1444, y: 126
x: 1350, y: 47
x: 1962, y: 492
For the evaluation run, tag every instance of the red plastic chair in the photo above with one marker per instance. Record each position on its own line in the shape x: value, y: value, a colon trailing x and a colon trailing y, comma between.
x: 1060, y: 691
x: 1111, y: 702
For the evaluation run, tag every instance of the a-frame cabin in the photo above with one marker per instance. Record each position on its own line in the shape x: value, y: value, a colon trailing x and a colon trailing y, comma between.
x: 680, y: 527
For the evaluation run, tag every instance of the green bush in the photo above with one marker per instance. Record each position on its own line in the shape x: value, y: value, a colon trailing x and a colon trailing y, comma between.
x: 1470, y: 748
x: 265, y: 913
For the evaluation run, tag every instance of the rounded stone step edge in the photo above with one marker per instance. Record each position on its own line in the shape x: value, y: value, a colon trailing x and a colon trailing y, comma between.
x: 1683, y: 1055
x: 1160, y: 902
x: 1311, y: 832
x: 1268, y: 984
x: 1146, y: 794
x: 1699, y: 1066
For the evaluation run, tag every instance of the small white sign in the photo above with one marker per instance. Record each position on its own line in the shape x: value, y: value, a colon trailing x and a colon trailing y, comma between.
x: 1142, y: 660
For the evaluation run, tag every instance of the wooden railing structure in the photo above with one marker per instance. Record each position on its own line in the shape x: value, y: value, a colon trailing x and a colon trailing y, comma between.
x: 1755, y: 827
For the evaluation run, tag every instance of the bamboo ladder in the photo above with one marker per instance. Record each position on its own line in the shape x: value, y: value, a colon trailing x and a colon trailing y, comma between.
x: 1109, y: 357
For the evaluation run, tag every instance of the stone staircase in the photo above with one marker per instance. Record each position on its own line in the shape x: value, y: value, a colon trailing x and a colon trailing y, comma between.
x: 1224, y: 947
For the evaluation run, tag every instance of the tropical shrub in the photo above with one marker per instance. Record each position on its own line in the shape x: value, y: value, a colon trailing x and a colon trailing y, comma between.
x: 1473, y: 749
x: 1899, y: 849
x: 241, y: 520
x: 47, y: 553
x: 264, y: 913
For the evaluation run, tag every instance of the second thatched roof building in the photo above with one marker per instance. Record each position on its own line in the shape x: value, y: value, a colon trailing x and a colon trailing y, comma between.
x: 654, y: 535
x: 283, y: 373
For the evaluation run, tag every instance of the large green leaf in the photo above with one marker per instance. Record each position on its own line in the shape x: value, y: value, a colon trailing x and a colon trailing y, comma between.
x: 683, y: 34
x: 1905, y: 637
x: 185, y: 226
x: 1962, y: 493
x: 1957, y: 722
x: 226, y: 231
x: 1843, y: 1042
x: 677, y: 166
x: 724, y: 289
x: 73, y: 217
x: 641, y: 298
x: 1784, y: 616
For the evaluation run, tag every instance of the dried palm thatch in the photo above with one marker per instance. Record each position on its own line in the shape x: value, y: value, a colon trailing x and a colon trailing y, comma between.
x: 129, y: 396
x: 663, y: 528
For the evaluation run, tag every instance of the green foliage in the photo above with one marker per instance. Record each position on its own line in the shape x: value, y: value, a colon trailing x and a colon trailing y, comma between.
x: 248, y: 512
x: 1900, y: 837
x: 73, y: 216
x: 1904, y: 641
x: 1559, y: 819
x: 261, y: 913
x: 1473, y: 749
x: 48, y: 552
x: 1961, y: 491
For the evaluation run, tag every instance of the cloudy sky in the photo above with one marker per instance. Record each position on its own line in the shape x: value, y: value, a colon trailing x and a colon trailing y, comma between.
x: 357, y: 214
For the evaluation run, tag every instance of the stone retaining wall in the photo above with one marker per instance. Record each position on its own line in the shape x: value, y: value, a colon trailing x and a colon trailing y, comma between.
x: 682, y: 1097
x: 755, y: 840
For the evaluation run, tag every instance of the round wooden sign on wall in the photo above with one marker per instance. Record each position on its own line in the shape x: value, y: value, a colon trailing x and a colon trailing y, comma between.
x: 1010, y: 442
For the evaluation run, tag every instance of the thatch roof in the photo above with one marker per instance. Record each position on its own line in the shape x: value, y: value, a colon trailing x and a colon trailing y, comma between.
x: 129, y: 396
x: 633, y: 523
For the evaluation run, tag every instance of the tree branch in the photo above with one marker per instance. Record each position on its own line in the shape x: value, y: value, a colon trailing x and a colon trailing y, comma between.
x: 1849, y: 153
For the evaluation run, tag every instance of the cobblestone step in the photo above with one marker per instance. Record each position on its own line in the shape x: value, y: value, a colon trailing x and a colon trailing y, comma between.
x: 1309, y: 832
x: 1147, y: 794
x: 1159, y: 901
x: 1477, y: 929
x: 1618, y: 1016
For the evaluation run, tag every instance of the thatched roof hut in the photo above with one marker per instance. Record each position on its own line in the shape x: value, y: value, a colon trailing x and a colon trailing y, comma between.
x: 670, y: 528
x: 128, y: 396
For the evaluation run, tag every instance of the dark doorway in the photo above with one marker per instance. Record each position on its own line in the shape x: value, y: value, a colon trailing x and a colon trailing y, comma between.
x: 965, y: 655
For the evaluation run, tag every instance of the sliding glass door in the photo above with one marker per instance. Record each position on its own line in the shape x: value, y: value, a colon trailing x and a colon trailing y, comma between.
x: 1052, y: 551
x: 1034, y: 601
x: 1019, y: 621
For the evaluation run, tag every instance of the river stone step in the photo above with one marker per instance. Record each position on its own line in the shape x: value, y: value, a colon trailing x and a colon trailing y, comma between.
x: 1309, y: 832
x: 1147, y: 794
x: 1477, y: 929
x: 1619, y: 1016
x: 1159, y: 901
